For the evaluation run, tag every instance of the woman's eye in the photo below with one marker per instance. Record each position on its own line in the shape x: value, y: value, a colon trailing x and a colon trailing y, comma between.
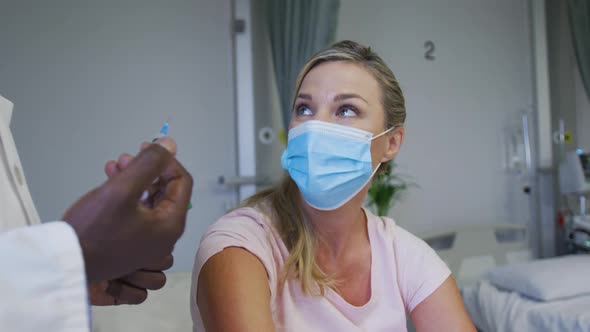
x: 303, y: 110
x: 347, y: 112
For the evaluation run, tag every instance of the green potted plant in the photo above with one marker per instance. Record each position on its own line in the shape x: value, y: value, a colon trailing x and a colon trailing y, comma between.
x: 387, y: 188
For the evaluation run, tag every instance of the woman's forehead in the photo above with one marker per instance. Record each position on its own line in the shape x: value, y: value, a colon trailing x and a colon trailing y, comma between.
x: 340, y: 77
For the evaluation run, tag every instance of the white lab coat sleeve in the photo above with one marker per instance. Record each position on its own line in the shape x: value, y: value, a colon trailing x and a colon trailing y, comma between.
x: 42, y: 280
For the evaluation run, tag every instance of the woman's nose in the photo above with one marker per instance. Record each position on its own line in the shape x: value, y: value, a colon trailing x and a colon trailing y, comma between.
x: 323, y: 114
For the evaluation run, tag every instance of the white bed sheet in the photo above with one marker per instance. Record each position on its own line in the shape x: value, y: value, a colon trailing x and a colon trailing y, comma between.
x: 493, y: 310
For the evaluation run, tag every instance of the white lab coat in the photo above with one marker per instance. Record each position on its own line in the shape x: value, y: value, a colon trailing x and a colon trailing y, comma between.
x: 42, y: 278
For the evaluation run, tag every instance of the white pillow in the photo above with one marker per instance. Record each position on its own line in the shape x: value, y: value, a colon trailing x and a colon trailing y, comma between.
x: 545, y: 279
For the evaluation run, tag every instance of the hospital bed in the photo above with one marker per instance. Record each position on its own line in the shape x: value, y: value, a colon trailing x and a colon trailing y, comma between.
x: 505, y: 290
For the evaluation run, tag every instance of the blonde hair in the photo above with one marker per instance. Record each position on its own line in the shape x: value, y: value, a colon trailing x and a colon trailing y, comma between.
x: 282, y: 203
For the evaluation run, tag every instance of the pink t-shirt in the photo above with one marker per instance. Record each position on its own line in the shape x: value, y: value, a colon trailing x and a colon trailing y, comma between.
x: 404, y: 272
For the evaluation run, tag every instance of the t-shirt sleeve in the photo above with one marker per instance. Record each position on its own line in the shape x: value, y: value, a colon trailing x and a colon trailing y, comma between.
x: 243, y: 228
x: 420, y: 270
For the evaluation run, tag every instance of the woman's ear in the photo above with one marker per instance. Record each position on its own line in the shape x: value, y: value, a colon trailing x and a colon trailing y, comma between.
x: 394, y: 142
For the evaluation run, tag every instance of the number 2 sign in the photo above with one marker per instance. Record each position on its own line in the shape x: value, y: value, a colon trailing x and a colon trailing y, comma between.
x: 429, y: 46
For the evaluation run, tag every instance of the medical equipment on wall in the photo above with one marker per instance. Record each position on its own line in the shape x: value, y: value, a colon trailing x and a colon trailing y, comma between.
x: 520, y: 165
x: 574, y: 182
x: 517, y: 135
x: 574, y: 173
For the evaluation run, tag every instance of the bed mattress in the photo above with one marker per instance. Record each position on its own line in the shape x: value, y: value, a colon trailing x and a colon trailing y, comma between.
x: 494, y: 310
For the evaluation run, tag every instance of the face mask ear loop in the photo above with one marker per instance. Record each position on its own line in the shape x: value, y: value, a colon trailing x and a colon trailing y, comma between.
x: 375, y: 171
x: 385, y: 132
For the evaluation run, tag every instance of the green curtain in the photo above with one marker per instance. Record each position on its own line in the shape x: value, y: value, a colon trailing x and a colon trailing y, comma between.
x: 298, y: 29
x: 579, y: 14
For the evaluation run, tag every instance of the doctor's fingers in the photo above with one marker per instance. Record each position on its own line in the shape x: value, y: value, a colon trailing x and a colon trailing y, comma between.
x: 110, y: 168
x: 175, y: 189
x: 160, y: 265
x: 168, y: 142
x: 123, y: 293
x: 113, y: 167
x: 141, y: 172
x: 145, y: 279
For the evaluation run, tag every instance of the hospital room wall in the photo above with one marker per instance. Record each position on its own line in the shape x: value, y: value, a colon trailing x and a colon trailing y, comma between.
x: 93, y: 79
x: 457, y: 104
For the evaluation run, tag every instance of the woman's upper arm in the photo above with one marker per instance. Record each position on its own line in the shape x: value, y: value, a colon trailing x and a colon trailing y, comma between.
x: 443, y: 310
x: 233, y: 293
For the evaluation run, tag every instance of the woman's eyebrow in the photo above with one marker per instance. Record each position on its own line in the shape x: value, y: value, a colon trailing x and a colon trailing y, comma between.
x: 304, y: 96
x: 349, y: 96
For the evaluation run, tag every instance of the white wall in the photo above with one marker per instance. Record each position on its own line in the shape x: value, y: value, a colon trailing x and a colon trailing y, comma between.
x: 457, y: 104
x: 93, y: 79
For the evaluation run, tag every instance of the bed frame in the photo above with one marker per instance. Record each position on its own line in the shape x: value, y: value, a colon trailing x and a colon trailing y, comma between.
x: 471, y: 251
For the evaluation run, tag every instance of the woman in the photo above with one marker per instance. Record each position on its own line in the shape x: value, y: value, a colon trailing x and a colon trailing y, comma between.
x: 305, y: 256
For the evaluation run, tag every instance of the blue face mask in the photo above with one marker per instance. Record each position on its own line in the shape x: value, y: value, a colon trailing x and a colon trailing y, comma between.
x: 330, y: 163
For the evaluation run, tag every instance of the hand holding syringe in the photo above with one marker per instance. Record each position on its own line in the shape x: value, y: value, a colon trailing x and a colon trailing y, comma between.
x: 163, y: 133
x: 113, y: 167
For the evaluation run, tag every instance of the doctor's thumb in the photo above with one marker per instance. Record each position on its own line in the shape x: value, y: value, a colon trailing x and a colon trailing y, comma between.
x: 168, y: 143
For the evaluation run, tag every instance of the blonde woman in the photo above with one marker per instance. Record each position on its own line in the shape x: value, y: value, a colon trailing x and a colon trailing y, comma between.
x: 306, y: 256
